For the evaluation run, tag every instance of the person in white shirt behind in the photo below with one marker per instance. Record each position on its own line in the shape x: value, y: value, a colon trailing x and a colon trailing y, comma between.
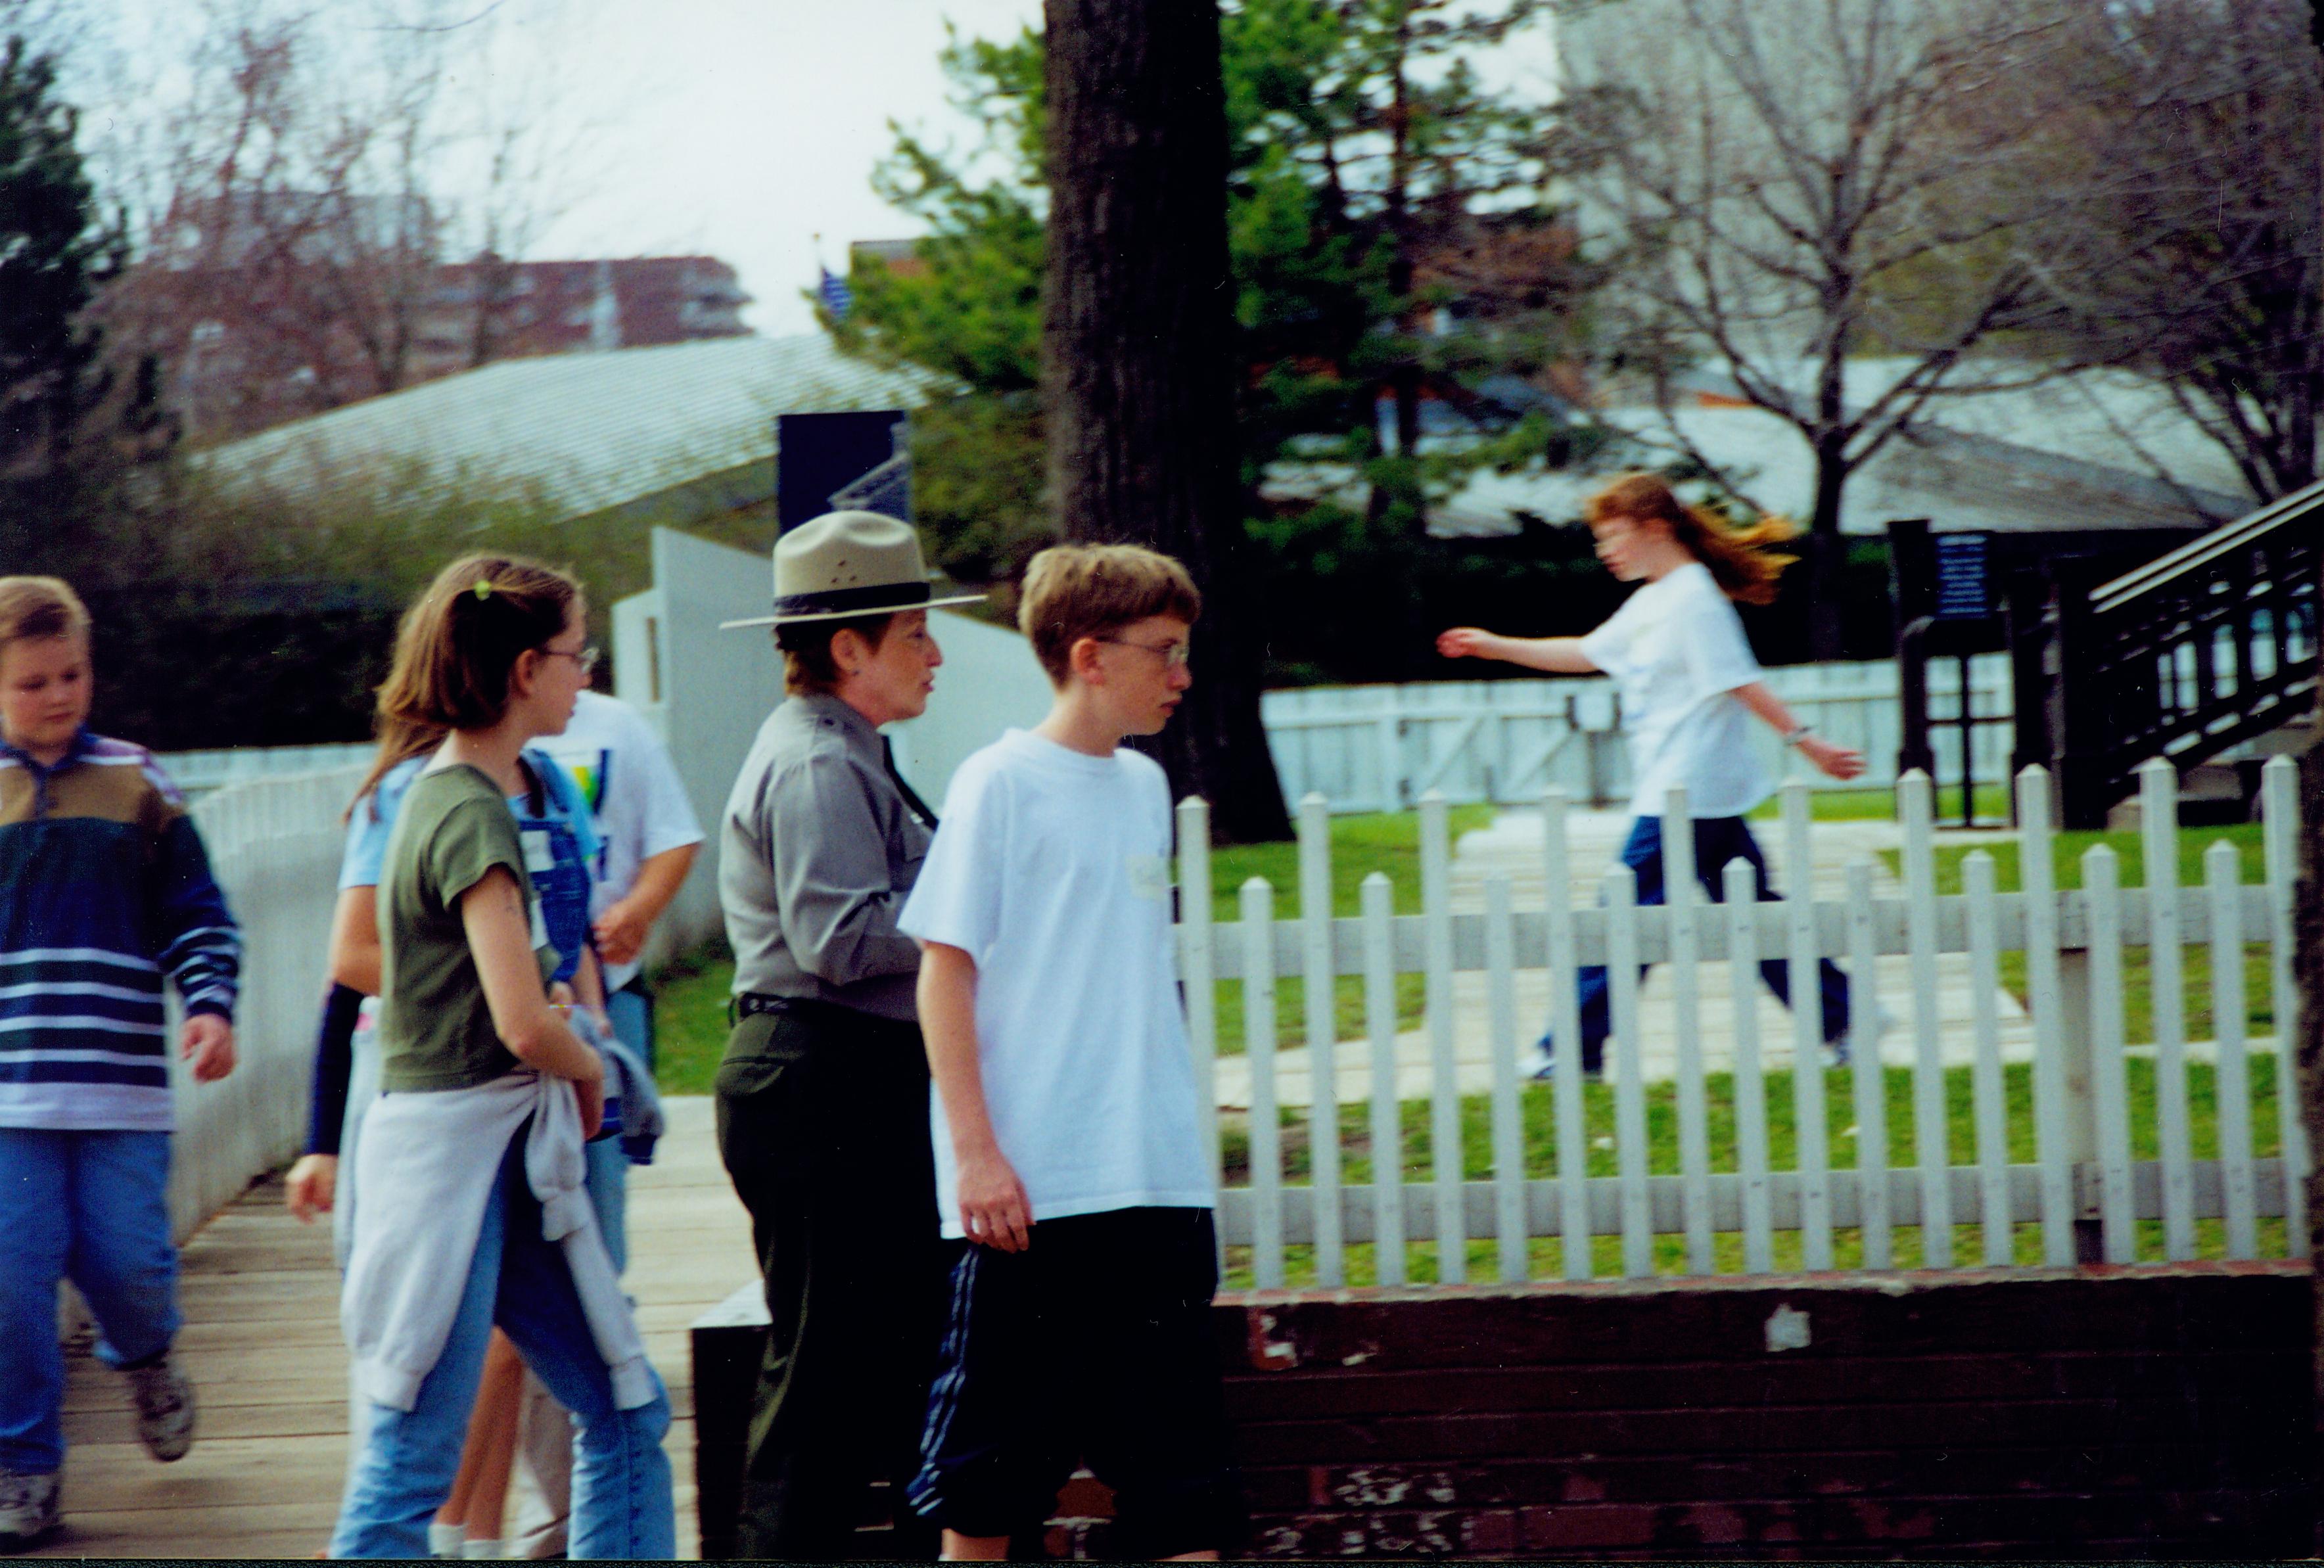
x: 648, y: 837
x: 1690, y: 688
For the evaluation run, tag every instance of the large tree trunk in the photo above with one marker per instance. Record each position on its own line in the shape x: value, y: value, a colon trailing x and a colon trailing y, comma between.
x: 1138, y: 377
x: 1827, y: 550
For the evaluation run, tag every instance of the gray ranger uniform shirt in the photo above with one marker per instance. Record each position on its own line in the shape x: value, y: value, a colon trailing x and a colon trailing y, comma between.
x: 817, y: 852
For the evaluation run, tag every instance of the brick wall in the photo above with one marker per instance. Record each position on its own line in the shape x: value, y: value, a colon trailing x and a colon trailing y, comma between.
x: 2147, y: 1411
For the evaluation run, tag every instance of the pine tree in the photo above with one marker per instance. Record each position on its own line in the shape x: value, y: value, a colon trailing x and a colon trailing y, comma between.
x: 56, y: 251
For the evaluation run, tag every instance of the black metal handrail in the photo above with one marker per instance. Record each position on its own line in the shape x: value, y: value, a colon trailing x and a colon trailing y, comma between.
x: 2207, y: 646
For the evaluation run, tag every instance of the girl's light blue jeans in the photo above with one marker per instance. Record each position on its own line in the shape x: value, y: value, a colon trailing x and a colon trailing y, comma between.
x: 89, y: 1207
x: 621, y: 1500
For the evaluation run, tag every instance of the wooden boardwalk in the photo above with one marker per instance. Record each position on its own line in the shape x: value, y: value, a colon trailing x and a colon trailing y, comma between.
x: 262, y: 1342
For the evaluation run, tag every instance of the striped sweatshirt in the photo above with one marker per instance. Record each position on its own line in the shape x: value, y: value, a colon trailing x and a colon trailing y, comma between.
x: 105, y: 889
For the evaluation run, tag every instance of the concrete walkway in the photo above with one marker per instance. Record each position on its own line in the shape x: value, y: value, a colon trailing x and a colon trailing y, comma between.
x: 1512, y: 843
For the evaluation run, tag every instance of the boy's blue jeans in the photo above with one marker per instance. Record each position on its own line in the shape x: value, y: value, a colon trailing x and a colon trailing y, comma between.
x: 621, y: 1500
x: 1718, y: 840
x: 89, y: 1207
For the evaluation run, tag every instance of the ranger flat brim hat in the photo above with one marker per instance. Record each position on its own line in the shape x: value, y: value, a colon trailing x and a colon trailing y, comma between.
x: 846, y: 564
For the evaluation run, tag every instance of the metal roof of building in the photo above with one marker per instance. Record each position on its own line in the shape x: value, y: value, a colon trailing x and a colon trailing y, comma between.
x: 586, y: 431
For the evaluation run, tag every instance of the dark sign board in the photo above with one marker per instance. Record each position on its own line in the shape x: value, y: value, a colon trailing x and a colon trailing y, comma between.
x: 1963, y: 589
x: 828, y: 462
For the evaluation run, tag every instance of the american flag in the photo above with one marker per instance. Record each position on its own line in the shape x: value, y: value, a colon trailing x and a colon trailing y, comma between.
x: 837, y: 297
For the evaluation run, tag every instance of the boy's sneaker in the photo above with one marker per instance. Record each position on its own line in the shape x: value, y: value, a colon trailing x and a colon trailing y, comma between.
x: 28, y: 1509
x: 165, y: 1408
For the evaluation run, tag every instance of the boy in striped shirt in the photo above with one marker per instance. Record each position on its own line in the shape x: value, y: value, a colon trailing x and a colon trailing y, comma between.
x: 105, y: 889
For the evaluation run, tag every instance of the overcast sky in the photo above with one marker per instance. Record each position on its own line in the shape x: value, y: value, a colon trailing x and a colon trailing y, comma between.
x: 737, y: 128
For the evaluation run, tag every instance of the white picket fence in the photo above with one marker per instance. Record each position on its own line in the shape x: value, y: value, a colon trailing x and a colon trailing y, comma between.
x: 197, y: 773
x: 1381, y: 748
x: 2085, y: 1191
x: 274, y: 846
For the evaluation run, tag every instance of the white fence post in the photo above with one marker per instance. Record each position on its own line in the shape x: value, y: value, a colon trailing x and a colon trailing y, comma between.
x: 1915, y: 806
x: 1322, y: 990
x: 1741, y: 887
x: 2036, y: 875
x: 1444, y: 1096
x: 1629, y: 1086
x: 1508, y: 1130
x: 2158, y: 831
x: 1198, y: 965
x: 1566, y: 1038
x: 1868, y: 1076
x: 1808, y: 1105
x: 1258, y: 1049
x: 1387, y: 1124
x: 2232, y: 1084
x: 2280, y: 819
x: 1682, y: 899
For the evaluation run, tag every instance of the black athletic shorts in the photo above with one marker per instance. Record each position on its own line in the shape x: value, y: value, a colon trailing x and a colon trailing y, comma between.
x: 1093, y: 1345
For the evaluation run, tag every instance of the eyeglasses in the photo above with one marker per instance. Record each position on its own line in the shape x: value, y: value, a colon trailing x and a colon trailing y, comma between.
x: 586, y: 658
x: 1174, y: 655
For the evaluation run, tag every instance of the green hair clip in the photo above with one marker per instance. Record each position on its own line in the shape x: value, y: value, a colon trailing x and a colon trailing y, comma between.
x: 483, y: 587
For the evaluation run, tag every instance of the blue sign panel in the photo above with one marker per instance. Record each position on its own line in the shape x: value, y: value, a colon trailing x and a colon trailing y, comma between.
x: 1963, y: 592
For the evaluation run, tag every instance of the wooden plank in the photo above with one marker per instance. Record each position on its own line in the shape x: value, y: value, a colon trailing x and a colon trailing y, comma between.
x: 1684, y: 901
x: 2036, y: 875
x: 1741, y: 887
x: 1565, y: 1034
x: 1445, y: 1093
x: 1809, y: 1107
x: 1258, y: 1046
x: 1867, y: 1074
x: 1630, y: 1090
x: 2158, y: 829
x: 2109, y: 1078
x: 1387, y: 1126
x: 1197, y: 952
x: 1322, y: 1035
x: 2279, y: 829
x: 1508, y: 1133
x: 1992, y: 1126
x: 2233, y: 1097
x: 1914, y: 805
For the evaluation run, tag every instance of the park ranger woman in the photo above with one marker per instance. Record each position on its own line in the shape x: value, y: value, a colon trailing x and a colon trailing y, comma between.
x: 823, y: 1097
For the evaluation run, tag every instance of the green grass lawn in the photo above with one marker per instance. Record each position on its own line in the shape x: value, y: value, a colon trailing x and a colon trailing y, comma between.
x: 1540, y: 1159
x: 2066, y: 850
x: 690, y: 1008
x: 690, y: 1018
x: 1880, y: 805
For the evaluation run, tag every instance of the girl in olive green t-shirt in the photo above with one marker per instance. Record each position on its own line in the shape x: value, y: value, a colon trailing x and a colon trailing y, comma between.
x: 494, y: 655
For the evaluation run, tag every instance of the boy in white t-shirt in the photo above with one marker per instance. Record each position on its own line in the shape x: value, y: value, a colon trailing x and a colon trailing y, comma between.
x: 1066, y: 1133
x: 1690, y: 686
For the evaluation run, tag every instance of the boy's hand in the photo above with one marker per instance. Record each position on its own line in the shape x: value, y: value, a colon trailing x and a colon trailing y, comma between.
x: 309, y: 1187
x: 620, y: 932
x: 993, y: 1208
x: 207, y: 1042
x: 1464, y: 642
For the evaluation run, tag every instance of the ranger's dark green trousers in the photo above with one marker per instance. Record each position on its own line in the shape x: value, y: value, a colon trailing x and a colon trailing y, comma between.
x: 823, y: 1123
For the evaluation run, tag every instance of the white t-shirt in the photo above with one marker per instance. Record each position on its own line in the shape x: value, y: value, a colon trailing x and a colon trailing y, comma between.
x: 1051, y: 870
x: 633, y: 789
x: 1675, y: 650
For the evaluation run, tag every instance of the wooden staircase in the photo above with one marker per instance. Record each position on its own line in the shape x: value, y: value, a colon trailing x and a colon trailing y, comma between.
x: 2198, y: 656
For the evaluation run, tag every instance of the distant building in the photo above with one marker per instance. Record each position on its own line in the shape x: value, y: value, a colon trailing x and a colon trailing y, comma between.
x: 488, y: 308
x: 271, y: 307
x: 901, y: 257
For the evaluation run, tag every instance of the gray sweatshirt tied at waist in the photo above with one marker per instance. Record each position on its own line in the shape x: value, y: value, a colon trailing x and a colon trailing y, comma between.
x: 818, y: 854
